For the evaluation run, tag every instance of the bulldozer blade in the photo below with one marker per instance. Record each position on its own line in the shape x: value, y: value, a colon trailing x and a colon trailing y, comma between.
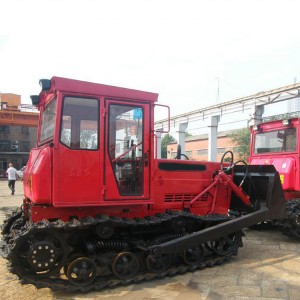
x: 209, y: 234
x: 262, y: 184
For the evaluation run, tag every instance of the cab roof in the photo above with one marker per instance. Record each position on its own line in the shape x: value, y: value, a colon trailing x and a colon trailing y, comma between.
x: 84, y: 87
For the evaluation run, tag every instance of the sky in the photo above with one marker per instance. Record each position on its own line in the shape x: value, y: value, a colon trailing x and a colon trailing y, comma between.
x: 185, y: 50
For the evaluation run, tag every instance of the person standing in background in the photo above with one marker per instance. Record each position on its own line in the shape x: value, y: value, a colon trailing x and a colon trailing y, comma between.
x: 12, y: 177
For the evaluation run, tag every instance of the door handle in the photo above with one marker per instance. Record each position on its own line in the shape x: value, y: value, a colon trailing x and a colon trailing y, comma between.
x: 146, y: 159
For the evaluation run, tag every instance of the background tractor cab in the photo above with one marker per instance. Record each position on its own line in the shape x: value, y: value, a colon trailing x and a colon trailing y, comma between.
x: 276, y: 143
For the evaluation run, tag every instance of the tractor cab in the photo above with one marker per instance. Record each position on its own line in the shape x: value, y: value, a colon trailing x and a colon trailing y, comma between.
x: 93, y: 145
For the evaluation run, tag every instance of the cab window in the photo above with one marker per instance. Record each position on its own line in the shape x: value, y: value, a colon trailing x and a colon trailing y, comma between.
x: 276, y: 141
x: 48, y: 121
x: 80, y: 123
x: 126, y: 147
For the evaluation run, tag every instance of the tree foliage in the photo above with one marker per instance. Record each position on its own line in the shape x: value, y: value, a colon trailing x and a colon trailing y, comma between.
x: 187, y: 134
x: 167, y: 139
x: 241, y: 137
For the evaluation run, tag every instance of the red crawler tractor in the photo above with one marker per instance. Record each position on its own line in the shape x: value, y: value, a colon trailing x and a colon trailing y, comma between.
x: 100, y: 210
x: 276, y: 142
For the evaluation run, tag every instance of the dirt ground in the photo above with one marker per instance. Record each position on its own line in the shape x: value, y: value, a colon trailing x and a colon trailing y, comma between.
x: 267, y: 267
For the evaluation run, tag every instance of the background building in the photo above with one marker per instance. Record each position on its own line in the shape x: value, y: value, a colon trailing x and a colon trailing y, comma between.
x: 196, y: 147
x: 18, y: 131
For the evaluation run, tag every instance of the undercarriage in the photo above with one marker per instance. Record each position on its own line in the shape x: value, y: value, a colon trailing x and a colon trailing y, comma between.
x: 102, y: 252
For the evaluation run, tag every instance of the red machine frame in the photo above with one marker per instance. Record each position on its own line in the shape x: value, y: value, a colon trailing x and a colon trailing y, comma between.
x: 75, y: 179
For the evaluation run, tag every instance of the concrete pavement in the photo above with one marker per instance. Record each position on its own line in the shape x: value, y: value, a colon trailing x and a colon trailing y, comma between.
x: 267, y: 267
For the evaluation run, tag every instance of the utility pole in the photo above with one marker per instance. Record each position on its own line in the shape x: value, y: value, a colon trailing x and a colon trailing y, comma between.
x: 218, y: 90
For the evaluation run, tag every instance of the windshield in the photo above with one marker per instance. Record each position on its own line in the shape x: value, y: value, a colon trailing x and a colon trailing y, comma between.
x: 276, y: 141
x: 48, y: 121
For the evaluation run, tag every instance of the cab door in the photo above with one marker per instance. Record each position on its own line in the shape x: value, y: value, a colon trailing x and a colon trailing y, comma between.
x: 78, y: 178
x: 127, y: 150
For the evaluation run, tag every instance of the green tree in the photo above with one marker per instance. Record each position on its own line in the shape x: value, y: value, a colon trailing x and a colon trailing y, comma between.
x: 241, y: 137
x: 167, y: 139
x: 187, y: 134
